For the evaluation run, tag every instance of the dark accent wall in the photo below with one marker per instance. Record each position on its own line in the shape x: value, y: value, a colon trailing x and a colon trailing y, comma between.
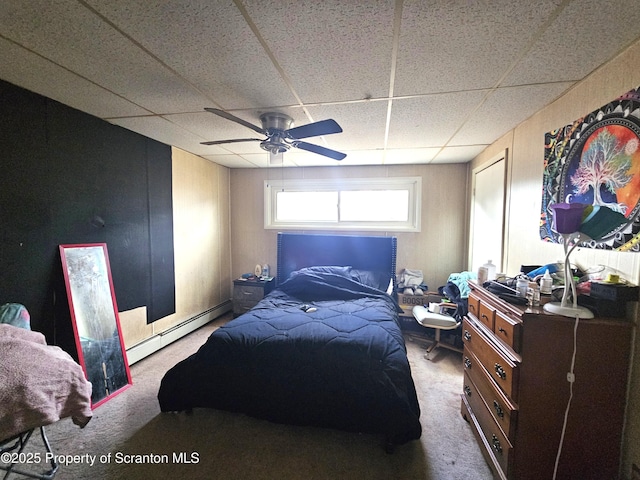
x: 67, y: 178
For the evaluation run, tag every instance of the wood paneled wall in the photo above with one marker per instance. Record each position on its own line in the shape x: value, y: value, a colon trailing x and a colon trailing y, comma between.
x: 201, y: 245
x: 524, y: 192
x: 438, y: 250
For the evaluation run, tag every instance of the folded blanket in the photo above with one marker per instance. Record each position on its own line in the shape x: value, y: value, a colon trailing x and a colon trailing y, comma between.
x: 39, y: 383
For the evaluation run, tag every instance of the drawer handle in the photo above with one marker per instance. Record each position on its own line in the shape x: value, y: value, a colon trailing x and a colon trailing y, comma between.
x: 502, y: 330
x: 467, y: 336
x: 244, y: 292
x: 498, y: 409
x: 495, y: 443
x: 467, y: 390
x: 484, y: 315
x: 467, y: 362
x: 500, y: 371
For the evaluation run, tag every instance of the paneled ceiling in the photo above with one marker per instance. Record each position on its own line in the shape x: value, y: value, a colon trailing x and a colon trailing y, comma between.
x: 409, y: 81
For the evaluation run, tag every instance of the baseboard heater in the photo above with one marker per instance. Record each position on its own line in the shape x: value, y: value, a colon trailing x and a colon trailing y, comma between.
x: 162, y: 339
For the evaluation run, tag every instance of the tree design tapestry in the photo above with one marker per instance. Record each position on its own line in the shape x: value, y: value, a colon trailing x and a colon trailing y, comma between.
x: 596, y: 161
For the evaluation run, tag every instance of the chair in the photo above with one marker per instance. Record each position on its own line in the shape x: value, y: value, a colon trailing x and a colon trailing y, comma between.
x: 39, y: 384
x: 438, y: 321
x: 19, y: 444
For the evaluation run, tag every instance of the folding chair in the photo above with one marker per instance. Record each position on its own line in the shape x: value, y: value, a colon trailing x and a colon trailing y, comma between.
x: 15, y: 447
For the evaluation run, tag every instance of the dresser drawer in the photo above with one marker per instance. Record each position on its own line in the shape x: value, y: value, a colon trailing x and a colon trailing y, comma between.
x: 487, y: 314
x: 247, y: 293
x: 503, y: 370
x: 474, y: 304
x: 508, y: 330
x: 504, y: 412
x: 500, y: 447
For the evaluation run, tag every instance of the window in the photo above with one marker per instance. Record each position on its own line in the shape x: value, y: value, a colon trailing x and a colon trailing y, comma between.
x: 385, y: 204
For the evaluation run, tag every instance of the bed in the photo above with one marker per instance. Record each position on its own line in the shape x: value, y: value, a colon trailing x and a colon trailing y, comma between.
x: 324, y: 348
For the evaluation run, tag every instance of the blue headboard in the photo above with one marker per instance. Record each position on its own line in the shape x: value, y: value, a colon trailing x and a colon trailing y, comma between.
x: 296, y: 251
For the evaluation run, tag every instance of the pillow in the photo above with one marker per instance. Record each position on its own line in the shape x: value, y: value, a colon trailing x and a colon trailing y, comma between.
x: 333, y: 269
x: 378, y: 280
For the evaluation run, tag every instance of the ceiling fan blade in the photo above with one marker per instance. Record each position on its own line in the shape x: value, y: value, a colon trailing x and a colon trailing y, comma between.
x: 323, y: 127
x: 220, y: 142
x: 233, y: 118
x: 327, y: 152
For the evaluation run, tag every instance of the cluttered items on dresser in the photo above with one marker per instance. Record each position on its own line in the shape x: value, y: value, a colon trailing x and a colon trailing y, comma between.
x: 602, y: 290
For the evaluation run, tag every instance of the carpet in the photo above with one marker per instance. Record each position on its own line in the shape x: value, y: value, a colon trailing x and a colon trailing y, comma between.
x: 129, y: 438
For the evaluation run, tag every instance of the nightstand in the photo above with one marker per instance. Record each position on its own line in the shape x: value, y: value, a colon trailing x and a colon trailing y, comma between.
x: 247, y: 293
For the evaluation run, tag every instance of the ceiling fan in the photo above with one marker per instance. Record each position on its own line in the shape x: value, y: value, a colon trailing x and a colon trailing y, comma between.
x: 281, y: 137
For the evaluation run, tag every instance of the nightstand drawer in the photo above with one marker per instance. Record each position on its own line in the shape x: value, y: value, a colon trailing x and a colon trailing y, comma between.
x: 242, y: 307
x: 247, y: 293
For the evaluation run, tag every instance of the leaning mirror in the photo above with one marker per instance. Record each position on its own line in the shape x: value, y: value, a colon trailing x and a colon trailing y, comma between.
x: 94, y: 314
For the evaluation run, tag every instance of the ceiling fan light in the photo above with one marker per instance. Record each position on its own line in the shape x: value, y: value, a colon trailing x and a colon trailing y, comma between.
x: 274, y: 145
x: 276, y: 158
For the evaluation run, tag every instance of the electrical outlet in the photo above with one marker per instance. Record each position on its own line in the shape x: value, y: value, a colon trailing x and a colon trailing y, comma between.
x: 635, y: 472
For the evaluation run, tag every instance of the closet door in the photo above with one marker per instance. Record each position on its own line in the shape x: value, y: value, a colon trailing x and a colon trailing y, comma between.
x: 487, y: 214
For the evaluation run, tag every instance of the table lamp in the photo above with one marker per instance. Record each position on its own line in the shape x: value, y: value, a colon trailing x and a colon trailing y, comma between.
x: 577, y: 223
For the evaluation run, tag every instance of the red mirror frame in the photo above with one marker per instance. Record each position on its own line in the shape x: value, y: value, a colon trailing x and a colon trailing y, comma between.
x: 96, y: 324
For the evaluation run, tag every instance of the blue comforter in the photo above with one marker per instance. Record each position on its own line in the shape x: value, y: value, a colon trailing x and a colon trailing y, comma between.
x: 342, y: 366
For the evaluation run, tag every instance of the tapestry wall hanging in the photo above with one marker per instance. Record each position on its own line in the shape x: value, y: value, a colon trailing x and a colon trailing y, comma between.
x: 596, y: 161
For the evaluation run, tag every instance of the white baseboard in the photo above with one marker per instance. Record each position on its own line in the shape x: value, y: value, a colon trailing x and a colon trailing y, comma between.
x: 162, y: 339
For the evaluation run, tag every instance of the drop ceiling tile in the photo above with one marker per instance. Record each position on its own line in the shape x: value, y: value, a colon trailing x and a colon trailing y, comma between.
x: 39, y: 75
x: 363, y: 124
x: 164, y: 131
x: 307, y: 159
x: 462, y: 154
x: 232, y: 161
x: 208, y: 44
x: 430, y: 121
x: 70, y: 35
x: 504, y: 109
x: 243, y: 148
x: 363, y: 157
x: 331, y: 50
x: 397, y: 156
x: 262, y: 160
x: 452, y: 46
x: 585, y: 35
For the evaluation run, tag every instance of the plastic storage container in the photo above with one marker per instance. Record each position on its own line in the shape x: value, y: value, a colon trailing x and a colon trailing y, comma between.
x: 486, y: 272
x: 546, y: 283
x: 522, y: 285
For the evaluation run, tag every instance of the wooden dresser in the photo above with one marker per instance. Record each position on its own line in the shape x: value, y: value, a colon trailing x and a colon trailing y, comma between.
x: 516, y: 389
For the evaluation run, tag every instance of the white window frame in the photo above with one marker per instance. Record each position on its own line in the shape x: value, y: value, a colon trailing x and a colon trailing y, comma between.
x: 412, y: 184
